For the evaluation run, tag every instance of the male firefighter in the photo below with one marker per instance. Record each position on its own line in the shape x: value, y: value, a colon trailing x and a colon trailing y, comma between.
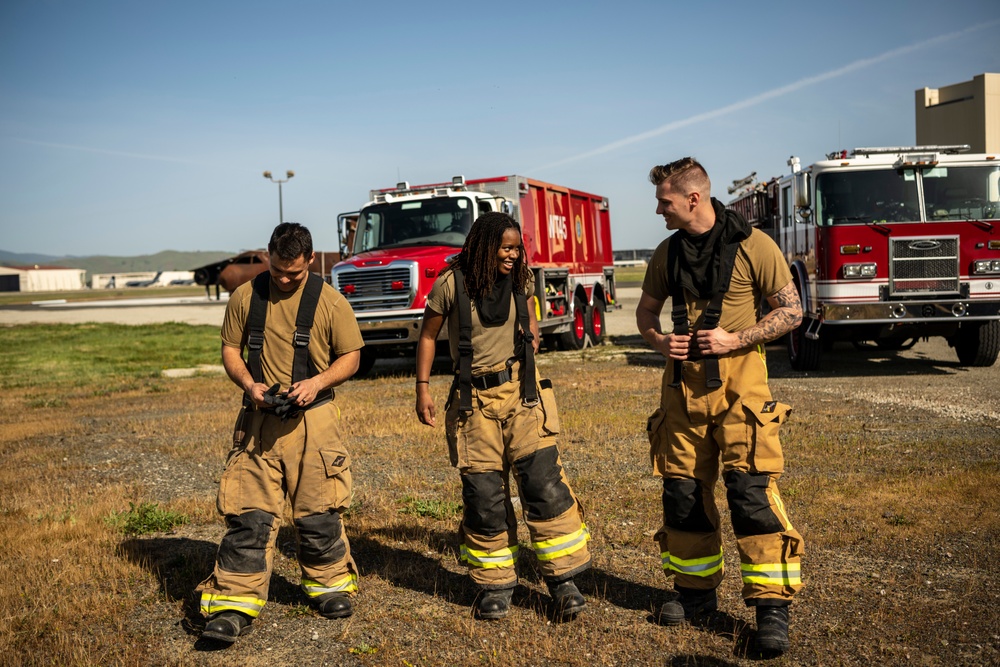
x: 715, y: 402
x: 302, y: 340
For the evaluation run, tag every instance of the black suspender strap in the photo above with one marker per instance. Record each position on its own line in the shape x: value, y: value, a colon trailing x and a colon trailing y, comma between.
x: 713, y: 312
x: 464, y: 345
x: 255, y: 324
x: 529, y: 391
x: 302, y: 365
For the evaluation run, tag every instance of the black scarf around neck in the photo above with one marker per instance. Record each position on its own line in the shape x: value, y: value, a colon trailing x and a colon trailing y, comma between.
x: 699, y: 260
x: 494, y: 309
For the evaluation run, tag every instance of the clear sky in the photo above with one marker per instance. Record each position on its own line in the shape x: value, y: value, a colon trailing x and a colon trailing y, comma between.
x: 133, y: 127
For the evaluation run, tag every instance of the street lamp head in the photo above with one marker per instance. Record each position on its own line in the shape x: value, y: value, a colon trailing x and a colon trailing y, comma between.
x: 290, y: 173
x: 267, y: 174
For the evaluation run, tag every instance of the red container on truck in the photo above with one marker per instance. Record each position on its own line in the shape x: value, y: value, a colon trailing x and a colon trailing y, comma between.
x: 402, y: 239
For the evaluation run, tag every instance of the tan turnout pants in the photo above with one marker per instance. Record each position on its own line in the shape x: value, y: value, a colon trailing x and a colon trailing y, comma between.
x: 690, y: 433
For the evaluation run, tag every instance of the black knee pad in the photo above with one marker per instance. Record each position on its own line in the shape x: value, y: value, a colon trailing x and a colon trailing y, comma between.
x: 483, y: 498
x: 319, y: 538
x: 684, y: 506
x: 243, y: 547
x: 543, y: 493
x: 748, y: 505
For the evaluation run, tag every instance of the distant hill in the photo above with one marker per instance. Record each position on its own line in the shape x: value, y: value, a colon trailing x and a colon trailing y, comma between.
x: 166, y: 260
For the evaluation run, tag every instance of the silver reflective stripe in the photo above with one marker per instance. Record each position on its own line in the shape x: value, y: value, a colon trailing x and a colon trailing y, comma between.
x: 691, y: 569
x: 216, y: 603
x: 582, y: 537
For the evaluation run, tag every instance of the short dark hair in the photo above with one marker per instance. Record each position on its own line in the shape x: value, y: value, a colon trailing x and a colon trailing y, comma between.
x: 289, y: 241
x: 685, y: 174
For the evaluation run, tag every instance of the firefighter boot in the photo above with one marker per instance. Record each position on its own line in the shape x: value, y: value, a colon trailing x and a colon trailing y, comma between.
x: 494, y: 604
x: 334, y: 605
x: 688, y: 604
x: 772, y: 629
x: 567, y: 601
x: 226, y: 626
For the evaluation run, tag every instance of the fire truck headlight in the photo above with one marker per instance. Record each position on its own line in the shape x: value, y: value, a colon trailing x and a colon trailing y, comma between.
x: 858, y: 271
x: 987, y: 266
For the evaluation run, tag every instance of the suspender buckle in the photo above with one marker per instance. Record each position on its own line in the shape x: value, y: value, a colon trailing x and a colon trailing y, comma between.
x: 255, y: 340
x: 300, y: 338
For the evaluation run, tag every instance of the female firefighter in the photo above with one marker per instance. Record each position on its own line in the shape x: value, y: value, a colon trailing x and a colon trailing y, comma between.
x: 501, y: 418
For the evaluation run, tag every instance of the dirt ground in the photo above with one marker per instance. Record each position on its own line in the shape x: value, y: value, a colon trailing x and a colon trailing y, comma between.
x: 875, y: 594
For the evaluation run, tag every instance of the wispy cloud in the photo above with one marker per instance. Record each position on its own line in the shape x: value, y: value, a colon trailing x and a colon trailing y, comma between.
x: 768, y: 95
x: 103, y: 151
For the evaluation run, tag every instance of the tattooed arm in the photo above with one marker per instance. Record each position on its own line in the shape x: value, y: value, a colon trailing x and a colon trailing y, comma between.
x: 785, y: 316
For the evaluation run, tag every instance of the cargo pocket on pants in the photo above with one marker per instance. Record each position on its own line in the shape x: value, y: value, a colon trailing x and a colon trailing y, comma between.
x: 338, y: 473
x: 657, y: 443
x: 549, y: 423
x: 763, y: 419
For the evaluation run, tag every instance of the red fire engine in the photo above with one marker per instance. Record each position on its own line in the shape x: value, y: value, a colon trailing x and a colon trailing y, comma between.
x: 403, y: 237
x: 886, y: 246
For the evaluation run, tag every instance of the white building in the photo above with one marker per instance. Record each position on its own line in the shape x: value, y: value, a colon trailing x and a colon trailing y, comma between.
x: 38, y: 278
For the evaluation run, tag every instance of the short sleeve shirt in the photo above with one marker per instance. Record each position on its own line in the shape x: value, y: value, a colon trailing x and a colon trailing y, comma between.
x: 491, y: 345
x: 760, y: 270
x: 334, y: 329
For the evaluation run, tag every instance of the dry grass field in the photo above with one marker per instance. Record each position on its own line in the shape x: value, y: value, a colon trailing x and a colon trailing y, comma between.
x: 892, y: 477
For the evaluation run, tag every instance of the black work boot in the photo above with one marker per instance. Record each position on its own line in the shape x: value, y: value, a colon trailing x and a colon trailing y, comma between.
x: 566, y: 599
x: 772, y: 629
x: 334, y: 605
x: 226, y: 626
x: 688, y: 604
x: 494, y: 604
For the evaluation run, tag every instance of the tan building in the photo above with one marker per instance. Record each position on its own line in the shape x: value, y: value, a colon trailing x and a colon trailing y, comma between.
x: 962, y: 113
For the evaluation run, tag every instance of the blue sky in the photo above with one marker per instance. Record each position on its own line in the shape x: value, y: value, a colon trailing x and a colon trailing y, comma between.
x: 133, y: 127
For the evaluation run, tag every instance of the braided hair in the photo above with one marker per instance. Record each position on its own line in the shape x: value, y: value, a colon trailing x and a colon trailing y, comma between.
x: 478, y: 259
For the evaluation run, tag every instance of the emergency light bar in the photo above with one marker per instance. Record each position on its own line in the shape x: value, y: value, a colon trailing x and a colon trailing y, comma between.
x: 954, y: 148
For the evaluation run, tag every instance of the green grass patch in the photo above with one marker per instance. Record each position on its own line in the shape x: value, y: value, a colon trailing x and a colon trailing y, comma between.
x: 435, y: 509
x: 109, y: 354
x: 144, y: 518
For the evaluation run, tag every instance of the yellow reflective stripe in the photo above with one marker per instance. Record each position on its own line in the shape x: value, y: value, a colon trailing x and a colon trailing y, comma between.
x: 213, y: 604
x: 489, y: 559
x: 562, y: 546
x: 698, y: 567
x: 777, y: 574
x: 347, y: 584
x: 763, y: 357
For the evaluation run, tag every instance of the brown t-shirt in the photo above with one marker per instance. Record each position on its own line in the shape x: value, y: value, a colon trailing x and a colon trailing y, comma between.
x: 334, y: 328
x: 760, y: 270
x: 491, y: 345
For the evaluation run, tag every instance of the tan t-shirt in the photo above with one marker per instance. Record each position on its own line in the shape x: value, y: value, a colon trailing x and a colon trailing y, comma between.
x: 491, y: 345
x: 334, y: 328
x: 760, y: 270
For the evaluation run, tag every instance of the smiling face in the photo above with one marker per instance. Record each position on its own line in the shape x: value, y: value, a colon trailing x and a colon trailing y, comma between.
x: 289, y: 274
x: 510, y: 250
x: 675, y: 206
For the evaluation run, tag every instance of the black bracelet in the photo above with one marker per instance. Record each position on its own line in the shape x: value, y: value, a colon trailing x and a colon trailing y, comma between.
x: 423, y: 381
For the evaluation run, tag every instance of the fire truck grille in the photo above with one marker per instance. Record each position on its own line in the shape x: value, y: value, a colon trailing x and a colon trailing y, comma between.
x: 376, y: 289
x: 924, y: 266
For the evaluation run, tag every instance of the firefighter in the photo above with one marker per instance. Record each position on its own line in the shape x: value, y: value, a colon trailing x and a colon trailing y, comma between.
x: 301, y: 340
x: 501, y: 419
x: 715, y: 402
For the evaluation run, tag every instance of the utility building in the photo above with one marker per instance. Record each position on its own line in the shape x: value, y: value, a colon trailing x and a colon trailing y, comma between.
x: 962, y: 113
x: 40, y: 278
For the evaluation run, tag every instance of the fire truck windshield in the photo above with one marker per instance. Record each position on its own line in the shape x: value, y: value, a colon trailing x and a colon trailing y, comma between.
x: 852, y: 197
x: 426, y: 221
x: 962, y: 192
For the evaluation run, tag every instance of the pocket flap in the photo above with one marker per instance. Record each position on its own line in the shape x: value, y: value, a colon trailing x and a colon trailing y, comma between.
x: 335, y: 462
x: 654, y: 421
x: 767, y: 412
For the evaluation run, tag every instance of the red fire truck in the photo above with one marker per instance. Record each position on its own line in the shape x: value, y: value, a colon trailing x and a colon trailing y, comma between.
x: 403, y: 237
x: 887, y: 246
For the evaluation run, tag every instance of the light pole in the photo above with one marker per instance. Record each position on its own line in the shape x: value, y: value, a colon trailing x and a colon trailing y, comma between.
x: 288, y: 176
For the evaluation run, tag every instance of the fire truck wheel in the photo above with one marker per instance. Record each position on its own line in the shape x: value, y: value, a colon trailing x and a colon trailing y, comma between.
x: 977, y: 345
x: 597, y: 324
x: 576, y: 337
x: 803, y: 353
x: 367, y: 361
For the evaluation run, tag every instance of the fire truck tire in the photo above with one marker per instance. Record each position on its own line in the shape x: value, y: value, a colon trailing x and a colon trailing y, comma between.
x: 803, y: 353
x: 576, y: 337
x: 978, y: 345
x: 367, y: 362
x: 597, y: 323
